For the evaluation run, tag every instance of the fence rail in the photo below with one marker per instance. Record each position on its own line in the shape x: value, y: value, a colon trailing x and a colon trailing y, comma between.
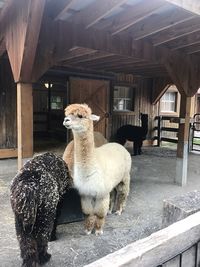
x: 195, y: 128
x: 164, y: 125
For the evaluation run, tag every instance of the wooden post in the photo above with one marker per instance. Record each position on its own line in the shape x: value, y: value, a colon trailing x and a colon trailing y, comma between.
x: 183, y: 137
x: 159, y: 130
x: 24, y: 122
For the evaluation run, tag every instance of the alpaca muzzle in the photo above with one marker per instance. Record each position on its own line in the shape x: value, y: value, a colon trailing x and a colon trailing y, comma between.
x: 67, y: 122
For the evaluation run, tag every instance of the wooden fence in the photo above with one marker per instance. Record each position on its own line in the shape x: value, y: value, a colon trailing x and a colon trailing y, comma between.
x: 165, y: 129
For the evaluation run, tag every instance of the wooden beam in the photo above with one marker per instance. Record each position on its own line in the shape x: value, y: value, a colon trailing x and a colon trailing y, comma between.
x: 88, y: 57
x: 2, y: 47
x: 24, y: 122
x: 160, y: 86
x: 185, y: 41
x: 31, y: 38
x: 176, y: 32
x: 67, y: 6
x: 192, y: 49
x: 184, y: 73
x: 8, y: 153
x: 183, y: 136
x: 135, y: 14
x: 161, y: 21
x: 189, y: 5
x: 22, y: 37
x: 96, y: 11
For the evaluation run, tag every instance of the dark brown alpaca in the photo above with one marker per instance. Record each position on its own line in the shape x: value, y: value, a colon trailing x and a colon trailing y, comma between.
x: 35, y: 194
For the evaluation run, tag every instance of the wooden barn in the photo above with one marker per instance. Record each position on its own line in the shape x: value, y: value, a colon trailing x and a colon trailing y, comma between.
x: 118, y: 56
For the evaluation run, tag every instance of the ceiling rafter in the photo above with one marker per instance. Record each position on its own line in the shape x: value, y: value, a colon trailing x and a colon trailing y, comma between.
x: 185, y: 41
x: 112, y: 62
x: 157, y: 27
x: 192, y: 6
x: 176, y: 32
x: 66, y: 8
x: 88, y: 57
x: 96, y: 11
x: 135, y: 14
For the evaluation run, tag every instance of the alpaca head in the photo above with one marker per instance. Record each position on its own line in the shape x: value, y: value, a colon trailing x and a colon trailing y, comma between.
x: 78, y: 117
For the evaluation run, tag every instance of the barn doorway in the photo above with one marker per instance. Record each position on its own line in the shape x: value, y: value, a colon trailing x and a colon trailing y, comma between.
x: 49, y: 101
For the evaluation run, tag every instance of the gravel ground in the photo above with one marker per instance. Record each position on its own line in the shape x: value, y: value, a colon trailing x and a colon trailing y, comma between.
x: 152, y: 181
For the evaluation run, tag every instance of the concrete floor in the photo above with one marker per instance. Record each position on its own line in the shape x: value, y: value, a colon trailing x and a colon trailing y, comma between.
x: 152, y: 181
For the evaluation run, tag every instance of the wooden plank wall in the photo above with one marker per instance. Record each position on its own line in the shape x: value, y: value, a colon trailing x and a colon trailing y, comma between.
x: 8, y: 109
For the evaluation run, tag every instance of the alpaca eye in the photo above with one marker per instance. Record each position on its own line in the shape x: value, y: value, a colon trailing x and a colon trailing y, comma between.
x: 80, y: 116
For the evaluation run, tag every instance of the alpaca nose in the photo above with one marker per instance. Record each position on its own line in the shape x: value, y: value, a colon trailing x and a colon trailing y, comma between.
x: 66, y: 120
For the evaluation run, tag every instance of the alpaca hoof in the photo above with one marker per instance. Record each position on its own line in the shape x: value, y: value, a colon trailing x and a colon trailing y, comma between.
x: 29, y: 263
x: 98, y: 232
x: 44, y: 258
x: 109, y: 212
x: 88, y: 232
x: 118, y: 212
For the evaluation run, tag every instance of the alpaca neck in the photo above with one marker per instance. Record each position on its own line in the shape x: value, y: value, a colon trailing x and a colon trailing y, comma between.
x: 145, y: 126
x: 83, y: 152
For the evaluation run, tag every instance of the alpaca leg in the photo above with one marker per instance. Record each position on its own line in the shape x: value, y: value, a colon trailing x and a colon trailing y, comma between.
x: 101, y: 209
x: 122, y: 193
x: 28, y: 245
x: 44, y: 256
x: 87, y: 204
x: 100, y: 221
x: 113, y: 194
x: 58, y: 212
x: 135, y: 148
x: 89, y: 223
x: 139, y: 147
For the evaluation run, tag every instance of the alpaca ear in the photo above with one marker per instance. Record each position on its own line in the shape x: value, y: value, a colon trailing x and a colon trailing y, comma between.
x: 94, y: 117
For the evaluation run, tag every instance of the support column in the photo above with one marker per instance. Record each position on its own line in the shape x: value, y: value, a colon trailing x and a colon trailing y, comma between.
x: 24, y: 122
x: 183, y: 136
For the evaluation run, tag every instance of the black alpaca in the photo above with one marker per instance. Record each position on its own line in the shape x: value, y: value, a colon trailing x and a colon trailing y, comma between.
x: 133, y: 133
x: 35, y: 194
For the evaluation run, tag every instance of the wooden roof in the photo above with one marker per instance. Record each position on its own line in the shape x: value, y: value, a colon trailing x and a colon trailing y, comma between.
x: 147, y: 38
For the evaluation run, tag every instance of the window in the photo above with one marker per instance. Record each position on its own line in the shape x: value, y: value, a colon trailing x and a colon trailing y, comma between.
x: 56, y: 102
x: 168, y: 102
x: 123, y: 98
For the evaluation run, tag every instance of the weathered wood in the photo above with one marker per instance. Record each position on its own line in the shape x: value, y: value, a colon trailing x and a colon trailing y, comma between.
x: 95, y: 94
x: 8, y: 124
x: 184, y: 73
x: 160, y: 85
x: 176, y: 32
x: 160, y: 22
x: 157, y: 248
x: 96, y: 11
x: 67, y: 6
x: 22, y: 38
x: 179, y: 207
x: 183, y: 136
x: 184, y: 41
x: 135, y: 14
x: 24, y: 121
x: 8, y: 153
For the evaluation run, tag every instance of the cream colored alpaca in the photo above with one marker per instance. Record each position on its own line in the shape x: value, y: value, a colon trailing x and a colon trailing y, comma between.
x: 96, y: 171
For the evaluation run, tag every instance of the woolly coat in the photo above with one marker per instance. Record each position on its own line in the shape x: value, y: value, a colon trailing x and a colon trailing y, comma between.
x: 35, y: 192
